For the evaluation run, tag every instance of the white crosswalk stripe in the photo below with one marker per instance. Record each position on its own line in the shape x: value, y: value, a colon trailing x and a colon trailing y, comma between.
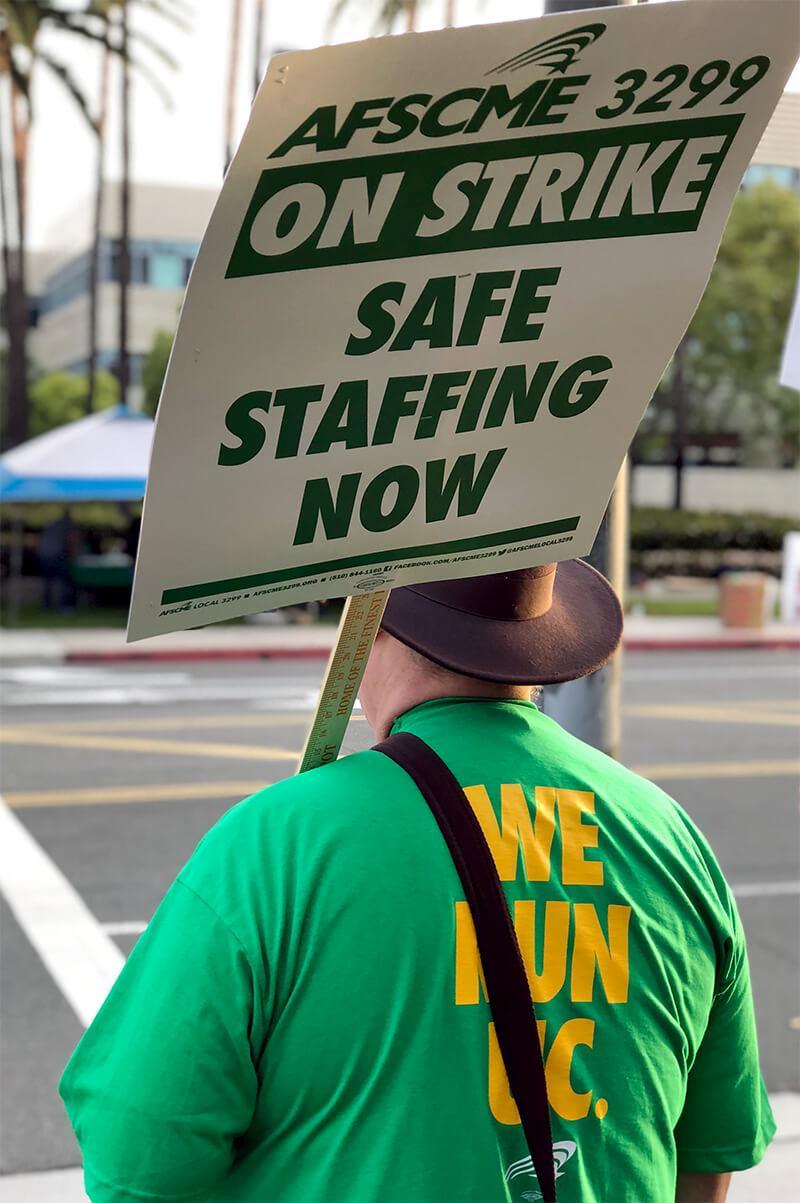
x: 106, y: 686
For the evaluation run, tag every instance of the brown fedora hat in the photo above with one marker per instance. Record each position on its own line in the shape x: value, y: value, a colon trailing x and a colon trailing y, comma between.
x: 535, y: 626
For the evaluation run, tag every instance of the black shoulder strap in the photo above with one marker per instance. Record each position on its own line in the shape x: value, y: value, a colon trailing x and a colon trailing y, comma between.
x: 503, y: 969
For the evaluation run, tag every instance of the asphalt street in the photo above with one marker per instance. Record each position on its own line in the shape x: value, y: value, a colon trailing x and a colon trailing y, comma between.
x: 117, y: 771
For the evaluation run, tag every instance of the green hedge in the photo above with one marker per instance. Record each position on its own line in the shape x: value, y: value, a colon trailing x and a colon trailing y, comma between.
x: 681, y: 530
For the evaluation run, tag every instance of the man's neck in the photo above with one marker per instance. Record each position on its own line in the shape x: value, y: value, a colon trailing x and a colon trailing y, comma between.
x: 430, y: 689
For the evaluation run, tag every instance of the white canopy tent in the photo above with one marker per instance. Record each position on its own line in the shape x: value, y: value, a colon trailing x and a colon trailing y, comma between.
x: 103, y: 457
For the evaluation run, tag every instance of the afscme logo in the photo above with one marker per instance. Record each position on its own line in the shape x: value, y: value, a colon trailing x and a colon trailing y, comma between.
x: 386, y: 120
x: 558, y: 53
x: 562, y: 1151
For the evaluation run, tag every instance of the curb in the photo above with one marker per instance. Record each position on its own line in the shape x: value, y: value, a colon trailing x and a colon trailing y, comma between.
x: 687, y: 644
x: 184, y: 655
x: 199, y: 653
x: 46, y: 649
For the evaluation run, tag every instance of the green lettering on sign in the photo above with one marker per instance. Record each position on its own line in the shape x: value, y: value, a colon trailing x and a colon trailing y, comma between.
x: 473, y: 196
x: 248, y: 430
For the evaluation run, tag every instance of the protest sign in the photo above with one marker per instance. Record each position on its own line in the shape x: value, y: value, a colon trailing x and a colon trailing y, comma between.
x: 790, y: 362
x: 439, y: 287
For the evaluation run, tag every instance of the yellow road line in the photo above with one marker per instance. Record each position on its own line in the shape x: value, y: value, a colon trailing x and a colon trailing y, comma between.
x: 719, y: 768
x: 110, y: 795
x: 136, y: 793
x: 285, y: 719
x: 161, y: 747
x: 715, y: 714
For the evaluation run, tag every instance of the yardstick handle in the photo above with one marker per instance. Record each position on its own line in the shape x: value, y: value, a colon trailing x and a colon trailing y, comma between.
x: 361, y: 618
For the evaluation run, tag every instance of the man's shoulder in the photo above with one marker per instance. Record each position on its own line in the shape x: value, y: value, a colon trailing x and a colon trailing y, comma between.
x: 628, y: 791
x: 332, y: 794
x: 601, y: 771
x: 329, y: 785
x: 657, y: 818
x: 300, y: 821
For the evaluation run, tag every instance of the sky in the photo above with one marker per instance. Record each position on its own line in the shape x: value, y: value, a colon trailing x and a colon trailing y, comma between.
x: 183, y: 143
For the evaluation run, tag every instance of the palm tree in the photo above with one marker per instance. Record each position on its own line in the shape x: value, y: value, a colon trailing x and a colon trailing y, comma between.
x: 390, y: 10
x: 178, y: 14
x: 233, y: 79
x: 387, y: 13
x: 97, y: 223
x: 258, y: 43
x: 21, y: 23
x: 123, y: 360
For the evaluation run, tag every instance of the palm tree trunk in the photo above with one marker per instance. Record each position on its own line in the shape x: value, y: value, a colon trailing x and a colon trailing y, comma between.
x: 449, y: 12
x: 15, y: 322
x: 5, y: 238
x: 94, y: 256
x: 411, y: 15
x: 679, y: 437
x: 123, y: 365
x: 6, y: 246
x: 258, y: 48
x: 17, y: 310
x: 5, y: 232
x: 233, y: 74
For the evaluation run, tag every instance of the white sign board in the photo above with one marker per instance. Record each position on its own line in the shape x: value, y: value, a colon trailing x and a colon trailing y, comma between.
x: 790, y: 578
x: 790, y: 364
x: 442, y: 280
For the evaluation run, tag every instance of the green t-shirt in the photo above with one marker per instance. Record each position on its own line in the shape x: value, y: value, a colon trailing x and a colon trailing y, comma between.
x: 303, y: 1020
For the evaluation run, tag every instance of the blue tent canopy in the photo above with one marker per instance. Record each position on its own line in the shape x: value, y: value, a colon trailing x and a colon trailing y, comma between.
x: 103, y: 457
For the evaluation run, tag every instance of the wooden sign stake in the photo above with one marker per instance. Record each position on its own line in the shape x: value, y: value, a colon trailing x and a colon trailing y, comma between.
x: 361, y: 618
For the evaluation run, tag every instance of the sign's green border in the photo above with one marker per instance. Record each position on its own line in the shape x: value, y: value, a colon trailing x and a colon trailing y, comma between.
x: 238, y: 583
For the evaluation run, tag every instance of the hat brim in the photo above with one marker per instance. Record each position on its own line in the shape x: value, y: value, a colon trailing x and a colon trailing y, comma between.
x: 578, y: 634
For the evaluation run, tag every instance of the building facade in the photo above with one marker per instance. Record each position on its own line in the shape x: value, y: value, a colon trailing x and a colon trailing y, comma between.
x: 777, y: 155
x: 167, y: 224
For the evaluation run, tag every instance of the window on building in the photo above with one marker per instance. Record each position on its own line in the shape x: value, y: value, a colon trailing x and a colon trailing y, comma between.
x: 113, y: 261
x: 166, y: 270
x: 135, y: 364
x: 140, y: 267
x: 69, y: 282
x: 163, y: 265
x: 787, y: 177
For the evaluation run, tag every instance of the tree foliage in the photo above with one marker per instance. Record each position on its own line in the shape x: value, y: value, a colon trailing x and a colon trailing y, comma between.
x: 154, y: 369
x: 734, y: 344
x: 22, y: 22
x: 60, y: 397
x: 385, y: 12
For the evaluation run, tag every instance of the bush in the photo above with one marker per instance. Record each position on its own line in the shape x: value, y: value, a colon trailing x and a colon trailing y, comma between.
x: 653, y: 529
x: 687, y: 543
x: 60, y: 397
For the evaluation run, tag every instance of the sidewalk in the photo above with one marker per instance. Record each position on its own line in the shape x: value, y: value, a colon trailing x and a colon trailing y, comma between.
x: 770, y: 1182
x: 315, y: 640
x: 644, y: 634
x: 239, y: 642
